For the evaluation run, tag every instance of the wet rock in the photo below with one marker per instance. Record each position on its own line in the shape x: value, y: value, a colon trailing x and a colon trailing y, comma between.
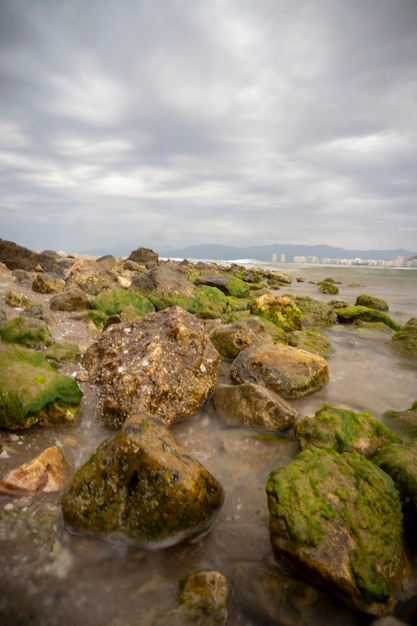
x: 43, y: 283
x: 203, y: 597
x: 142, y: 484
x: 251, y: 404
x: 315, y: 313
x: 323, y: 523
x: 17, y: 257
x: 115, y: 301
x: 31, y: 390
x: 163, y: 364
x: 230, y: 285
x: 405, y: 341
x: 400, y: 462
x: 372, y: 302
x: 312, y: 341
x: 281, y: 310
x: 343, y: 430
x: 406, y: 420
x: 230, y: 339
x: 72, y: 299
x: 144, y: 256
x: 350, y: 314
x: 62, y: 352
x: 275, y: 597
x: 26, y: 331
x: 288, y: 371
x: 47, y: 473
x: 412, y: 322
x: 328, y: 286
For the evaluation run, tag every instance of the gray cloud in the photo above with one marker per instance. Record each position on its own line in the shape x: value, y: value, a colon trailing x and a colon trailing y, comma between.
x: 182, y: 122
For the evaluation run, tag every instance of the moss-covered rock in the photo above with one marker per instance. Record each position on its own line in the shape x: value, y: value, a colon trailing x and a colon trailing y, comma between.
x: 315, y: 312
x: 337, y: 519
x: 63, y: 352
x: 144, y: 485
x: 372, y: 302
x: 229, y: 285
x: 406, y: 420
x: 26, y: 331
x: 343, y: 430
x: 405, y: 341
x: 312, y: 341
x: 349, y: 315
x: 327, y: 286
x: 115, y: 301
x: 282, y: 311
x: 230, y: 339
x: 206, y: 302
x: 32, y: 391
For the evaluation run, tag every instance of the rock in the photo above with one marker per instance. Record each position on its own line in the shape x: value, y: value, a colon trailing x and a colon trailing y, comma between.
x: 372, y: 302
x: 250, y: 404
x: 72, y: 299
x: 166, y: 278
x: 406, y: 420
x: 163, y: 364
x: 400, y: 462
x: 281, y: 310
x: 43, y: 283
x: 405, y: 341
x: 144, y: 256
x: 350, y: 314
x: 388, y: 620
x: 26, y: 331
x: 115, y: 301
x: 203, y: 597
x: 230, y: 339
x: 17, y: 257
x: 47, y: 473
x: 17, y: 300
x: 91, y: 277
x: 412, y: 322
x: 62, y: 352
x: 311, y: 340
x: 343, y: 430
x: 323, y: 523
x: 272, y: 596
x: 328, y: 286
x: 288, y: 371
x: 315, y: 313
x: 143, y: 485
x: 31, y: 390
x: 230, y: 285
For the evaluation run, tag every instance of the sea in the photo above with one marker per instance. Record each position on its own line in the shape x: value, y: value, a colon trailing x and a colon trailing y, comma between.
x: 88, y: 581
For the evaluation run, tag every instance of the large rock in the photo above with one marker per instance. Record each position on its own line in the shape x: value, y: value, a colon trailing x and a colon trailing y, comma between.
x: 18, y: 257
x: 72, y: 299
x: 163, y: 364
x: 142, y: 484
x: 352, y: 314
x: 281, y: 310
x: 315, y: 313
x: 406, y: 420
x: 43, y: 283
x: 144, y: 256
x: 167, y: 278
x: 115, y: 301
x: 91, y: 277
x: 337, y: 519
x: 250, y: 404
x: 32, y: 391
x: 230, y: 285
x: 287, y: 371
x: 372, y: 302
x: 405, y: 340
x: 343, y: 429
x: 26, y: 331
x: 46, y: 473
x: 230, y: 339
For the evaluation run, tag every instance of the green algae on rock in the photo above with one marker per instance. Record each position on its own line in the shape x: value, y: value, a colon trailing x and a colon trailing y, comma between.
x: 26, y: 331
x: 114, y: 301
x: 405, y: 341
x: 372, y: 302
x: 343, y: 429
x: 311, y: 340
x: 281, y: 310
x: 350, y: 314
x: 406, y: 420
x: 143, y: 485
x: 32, y: 391
x: 315, y: 313
x: 337, y: 518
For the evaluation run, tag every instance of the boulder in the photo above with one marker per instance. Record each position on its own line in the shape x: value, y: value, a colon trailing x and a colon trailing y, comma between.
x: 32, y: 391
x: 337, y: 519
x: 47, y: 473
x: 311, y: 340
x: 343, y: 429
x: 72, y: 299
x: 144, y: 256
x: 315, y: 313
x: 26, y: 331
x: 163, y: 364
x: 328, y: 286
x: 44, y: 283
x: 17, y: 257
x: 372, y: 302
x: 230, y: 339
x: 203, y: 598
x: 405, y: 341
x: 230, y: 285
x: 351, y: 314
x: 281, y: 310
x: 115, y: 301
x: 143, y: 485
x: 166, y: 278
x: 288, y: 371
x: 91, y: 277
x: 406, y: 420
x: 275, y: 597
x: 250, y: 404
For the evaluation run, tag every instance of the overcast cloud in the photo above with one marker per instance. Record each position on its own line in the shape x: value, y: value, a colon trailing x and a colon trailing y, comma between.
x: 166, y: 123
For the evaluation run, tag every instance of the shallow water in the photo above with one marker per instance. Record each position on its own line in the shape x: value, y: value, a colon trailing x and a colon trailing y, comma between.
x: 49, y: 576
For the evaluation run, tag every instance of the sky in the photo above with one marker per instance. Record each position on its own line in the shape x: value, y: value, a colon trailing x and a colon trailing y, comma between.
x: 167, y: 123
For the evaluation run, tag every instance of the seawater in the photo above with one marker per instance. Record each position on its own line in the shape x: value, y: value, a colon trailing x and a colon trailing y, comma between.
x: 90, y: 581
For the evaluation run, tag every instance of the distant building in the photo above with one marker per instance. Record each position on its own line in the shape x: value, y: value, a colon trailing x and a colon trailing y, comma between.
x: 282, y: 258
x: 274, y: 258
x: 299, y: 259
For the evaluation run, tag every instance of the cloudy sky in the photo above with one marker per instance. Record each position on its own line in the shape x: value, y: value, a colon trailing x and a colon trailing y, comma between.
x: 165, y: 123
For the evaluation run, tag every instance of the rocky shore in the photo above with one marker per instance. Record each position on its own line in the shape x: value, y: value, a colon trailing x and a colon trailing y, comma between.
x: 142, y: 344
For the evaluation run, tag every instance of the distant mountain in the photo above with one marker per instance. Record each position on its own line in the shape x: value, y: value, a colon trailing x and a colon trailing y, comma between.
x: 218, y: 252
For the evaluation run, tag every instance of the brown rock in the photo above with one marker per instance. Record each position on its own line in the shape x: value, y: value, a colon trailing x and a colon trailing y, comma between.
x: 47, y: 473
x: 43, y: 283
x: 73, y: 299
x: 230, y: 339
